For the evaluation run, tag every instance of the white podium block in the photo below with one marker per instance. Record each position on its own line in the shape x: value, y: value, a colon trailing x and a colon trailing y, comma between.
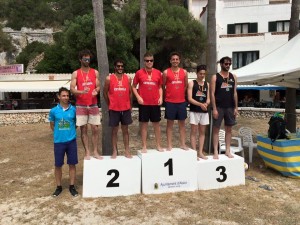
x: 220, y: 173
x: 111, y: 177
x: 168, y: 171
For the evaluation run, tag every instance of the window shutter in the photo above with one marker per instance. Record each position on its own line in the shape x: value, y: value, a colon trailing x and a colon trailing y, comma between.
x: 253, y: 28
x: 230, y: 29
x: 272, y: 26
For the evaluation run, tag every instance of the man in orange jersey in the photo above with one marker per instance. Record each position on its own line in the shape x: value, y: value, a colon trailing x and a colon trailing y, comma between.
x: 175, y: 82
x: 117, y: 94
x: 85, y: 85
x: 149, y: 97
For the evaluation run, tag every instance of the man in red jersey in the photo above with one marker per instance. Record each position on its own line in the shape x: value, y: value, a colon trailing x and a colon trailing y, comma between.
x: 175, y: 81
x: 117, y: 94
x: 149, y: 97
x: 85, y: 85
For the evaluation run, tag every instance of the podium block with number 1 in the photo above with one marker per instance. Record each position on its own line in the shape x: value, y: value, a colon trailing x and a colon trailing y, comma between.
x: 168, y: 171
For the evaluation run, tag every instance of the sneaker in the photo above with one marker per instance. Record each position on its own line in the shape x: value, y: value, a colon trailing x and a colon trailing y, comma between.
x: 57, y: 191
x: 73, y: 191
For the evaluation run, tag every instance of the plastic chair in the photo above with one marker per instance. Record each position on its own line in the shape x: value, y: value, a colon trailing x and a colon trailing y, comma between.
x: 247, y: 140
x: 233, y: 149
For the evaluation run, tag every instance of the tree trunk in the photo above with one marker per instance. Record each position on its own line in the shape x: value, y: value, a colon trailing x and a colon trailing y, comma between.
x: 143, y: 31
x: 211, y: 57
x: 103, y: 70
x: 290, y: 105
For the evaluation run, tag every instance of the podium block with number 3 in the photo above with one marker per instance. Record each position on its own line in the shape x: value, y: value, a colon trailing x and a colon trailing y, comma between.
x: 220, y: 173
x: 111, y: 177
x: 168, y: 171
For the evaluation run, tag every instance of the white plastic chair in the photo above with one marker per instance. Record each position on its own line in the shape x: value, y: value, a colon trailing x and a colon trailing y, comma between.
x: 233, y: 149
x: 247, y: 140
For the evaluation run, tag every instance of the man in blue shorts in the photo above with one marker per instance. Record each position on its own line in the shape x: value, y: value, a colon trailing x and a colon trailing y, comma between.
x: 63, y: 124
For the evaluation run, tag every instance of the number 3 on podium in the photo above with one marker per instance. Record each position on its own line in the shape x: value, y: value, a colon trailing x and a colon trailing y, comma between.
x: 222, y: 170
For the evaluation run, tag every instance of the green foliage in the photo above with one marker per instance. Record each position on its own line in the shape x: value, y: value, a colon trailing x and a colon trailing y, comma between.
x: 30, y: 52
x: 5, y: 42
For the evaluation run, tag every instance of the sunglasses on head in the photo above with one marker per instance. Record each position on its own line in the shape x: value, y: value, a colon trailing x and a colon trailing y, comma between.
x: 148, y: 60
x: 86, y: 59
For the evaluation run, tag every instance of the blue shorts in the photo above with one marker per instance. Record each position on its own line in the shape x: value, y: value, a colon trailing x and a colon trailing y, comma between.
x: 175, y: 111
x: 70, y: 149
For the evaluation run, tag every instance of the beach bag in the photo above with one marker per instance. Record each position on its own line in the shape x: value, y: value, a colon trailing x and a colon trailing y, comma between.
x: 277, y: 127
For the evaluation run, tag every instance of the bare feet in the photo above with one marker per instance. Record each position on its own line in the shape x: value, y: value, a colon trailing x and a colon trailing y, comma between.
x: 202, y: 156
x: 169, y: 148
x: 185, y: 148
x: 97, y: 156
x: 87, y: 157
x: 216, y: 156
x: 160, y: 149
x: 229, y: 155
x: 127, y: 154
x: 114, y: 155
x: 144, y: 150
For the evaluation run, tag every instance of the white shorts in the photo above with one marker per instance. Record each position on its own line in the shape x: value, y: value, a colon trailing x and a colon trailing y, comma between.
x: 199, y: 118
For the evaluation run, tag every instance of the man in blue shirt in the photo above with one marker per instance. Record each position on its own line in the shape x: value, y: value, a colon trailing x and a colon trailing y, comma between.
x: 63, y: 124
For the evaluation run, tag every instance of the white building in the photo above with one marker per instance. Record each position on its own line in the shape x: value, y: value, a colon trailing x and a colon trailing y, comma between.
x: 246, y: 29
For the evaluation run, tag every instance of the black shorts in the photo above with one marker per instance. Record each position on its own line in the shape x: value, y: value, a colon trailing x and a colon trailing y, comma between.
x: 115, y: 117
x: 149, y: 112
x: 227, y: 114
x: 175, y: 111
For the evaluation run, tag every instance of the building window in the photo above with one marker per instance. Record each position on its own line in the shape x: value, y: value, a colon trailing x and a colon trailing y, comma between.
x: 242, y: 28
x: 279, y: 26
x: 240, y: 59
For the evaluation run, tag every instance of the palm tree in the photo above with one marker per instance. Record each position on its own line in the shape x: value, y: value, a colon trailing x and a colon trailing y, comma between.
x: 211, y: 53
x: 143, y: 30
x: 290, y: 106
x: 103, y: 70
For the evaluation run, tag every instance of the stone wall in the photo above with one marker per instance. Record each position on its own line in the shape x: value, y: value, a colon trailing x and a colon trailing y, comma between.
x: 17, y: 117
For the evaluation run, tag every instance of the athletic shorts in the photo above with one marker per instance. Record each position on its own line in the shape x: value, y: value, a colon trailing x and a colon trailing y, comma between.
x: 115, y: 117
x: 149, y: 112
x: 199, y: 118
x: 87, y: 115
x: 70, y: 149
x: 175, y: 111
x: 227, y: 114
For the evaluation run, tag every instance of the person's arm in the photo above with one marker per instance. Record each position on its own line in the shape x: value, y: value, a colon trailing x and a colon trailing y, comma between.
x: 212, y: 96
x: 160, y: 92
x: 73, y: 85
x: 185, y: 80
x: 235, y: 96
x: 208, y: 96
x: 106, y: 89
x: 52, y: 125
x: 97, y: 88
x: 164, y: 76
x: 130, y: 90
x: 135, y: 92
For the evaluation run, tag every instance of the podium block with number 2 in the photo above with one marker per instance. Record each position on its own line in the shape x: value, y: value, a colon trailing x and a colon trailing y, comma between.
x: 168, y: 171
x: 220, y: 173
x: 111, y: 177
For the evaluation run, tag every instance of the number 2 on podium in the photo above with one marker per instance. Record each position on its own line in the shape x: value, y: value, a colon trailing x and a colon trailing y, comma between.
x: 170, y: 164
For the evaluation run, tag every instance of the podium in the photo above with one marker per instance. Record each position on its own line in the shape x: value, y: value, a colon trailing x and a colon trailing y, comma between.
x: 111, y: 177
x: 168, y: 171
x: 220, y: 173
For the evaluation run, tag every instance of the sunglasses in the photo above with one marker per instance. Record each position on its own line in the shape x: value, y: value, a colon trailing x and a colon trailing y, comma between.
x: 86, y: 59
x: 119, y: 66
x: 148, y: 60
x: 227, y: 64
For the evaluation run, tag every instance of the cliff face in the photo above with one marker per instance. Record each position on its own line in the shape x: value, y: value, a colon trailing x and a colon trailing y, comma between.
x: 22, y: 38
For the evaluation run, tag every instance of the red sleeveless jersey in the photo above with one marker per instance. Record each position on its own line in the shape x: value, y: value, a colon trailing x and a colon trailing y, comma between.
x: 175, y: 86
x: 149, y: 84
x: 86, y: 81
x: 119, y: 93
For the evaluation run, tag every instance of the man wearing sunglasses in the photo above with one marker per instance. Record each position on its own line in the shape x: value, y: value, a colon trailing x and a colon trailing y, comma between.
x: 117, y: 94
x: 85, y: 85
x: 224, y: 103
x: 149, y: 97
